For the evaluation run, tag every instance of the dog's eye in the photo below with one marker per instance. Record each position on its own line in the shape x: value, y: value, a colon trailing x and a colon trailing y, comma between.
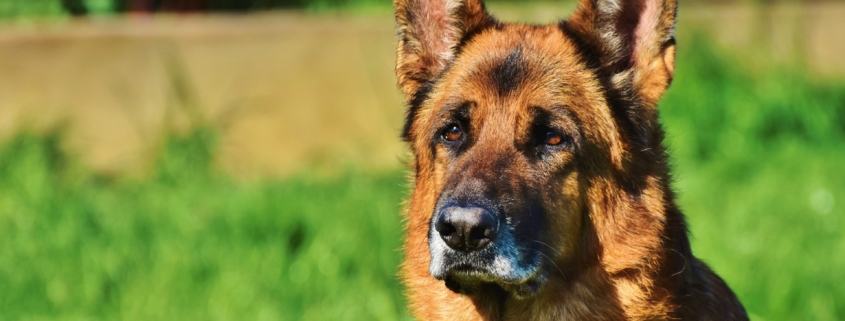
x: 452, y: 133
x: 552, y: 138
x: 546, y: 138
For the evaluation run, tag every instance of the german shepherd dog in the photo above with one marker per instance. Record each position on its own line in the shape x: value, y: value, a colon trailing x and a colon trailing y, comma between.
x: 541, y: 186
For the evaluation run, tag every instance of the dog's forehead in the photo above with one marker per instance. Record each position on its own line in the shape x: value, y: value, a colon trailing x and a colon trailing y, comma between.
x: 535, y: 44
x: 516, y: 60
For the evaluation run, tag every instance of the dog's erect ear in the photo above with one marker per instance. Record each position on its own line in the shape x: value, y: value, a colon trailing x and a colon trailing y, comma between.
x: 429, y: 32
x: 635, y: 40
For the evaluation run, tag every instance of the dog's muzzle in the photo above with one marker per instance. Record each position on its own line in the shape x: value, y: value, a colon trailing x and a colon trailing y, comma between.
x: 473, y: 245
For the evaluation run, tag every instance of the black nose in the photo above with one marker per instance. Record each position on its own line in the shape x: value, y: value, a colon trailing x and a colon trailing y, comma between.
x: 466, y: 228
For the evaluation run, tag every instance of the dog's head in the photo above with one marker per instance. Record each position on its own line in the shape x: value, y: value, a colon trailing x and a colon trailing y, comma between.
x: 512, y: 126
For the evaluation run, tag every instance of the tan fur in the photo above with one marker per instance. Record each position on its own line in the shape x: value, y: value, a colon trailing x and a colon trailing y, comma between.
x: 615, y: 242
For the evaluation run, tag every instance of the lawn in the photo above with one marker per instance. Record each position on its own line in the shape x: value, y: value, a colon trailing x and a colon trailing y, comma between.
x: 758, y: 153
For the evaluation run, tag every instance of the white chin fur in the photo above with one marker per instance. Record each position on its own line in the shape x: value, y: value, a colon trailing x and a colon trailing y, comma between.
x: 504, y: 268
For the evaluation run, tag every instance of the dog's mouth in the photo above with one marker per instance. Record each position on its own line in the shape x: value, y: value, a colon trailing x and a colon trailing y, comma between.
x: 471, y: 278
x: 471, y: 281
x: 469, y: 286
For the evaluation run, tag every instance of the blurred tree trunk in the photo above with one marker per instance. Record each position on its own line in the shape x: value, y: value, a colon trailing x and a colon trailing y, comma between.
x: 136, y: 5
x: 119, y: 5
x: 185, y: 5
x: 75, y: 7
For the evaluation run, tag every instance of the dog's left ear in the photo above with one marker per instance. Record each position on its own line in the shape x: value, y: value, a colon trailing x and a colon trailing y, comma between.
x: 635, y: 41
x: 429, y: 33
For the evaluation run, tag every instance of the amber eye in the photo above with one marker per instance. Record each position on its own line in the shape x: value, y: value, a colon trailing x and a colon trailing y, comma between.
x: 452, y: 133
x: 552, y: 138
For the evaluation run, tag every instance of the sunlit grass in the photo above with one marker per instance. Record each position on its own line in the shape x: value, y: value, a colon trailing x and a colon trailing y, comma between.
x: 190, y: 244
x: 758, y: 151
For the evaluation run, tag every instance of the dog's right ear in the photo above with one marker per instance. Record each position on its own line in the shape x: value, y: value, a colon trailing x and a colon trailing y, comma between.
x: 635, y: 40
x: 429, y: 33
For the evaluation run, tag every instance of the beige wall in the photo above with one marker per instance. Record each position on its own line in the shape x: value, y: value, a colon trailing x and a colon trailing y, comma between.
x: 288, y: 90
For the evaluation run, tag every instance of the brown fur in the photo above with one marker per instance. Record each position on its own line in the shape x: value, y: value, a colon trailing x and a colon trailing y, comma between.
x: 614, y: 243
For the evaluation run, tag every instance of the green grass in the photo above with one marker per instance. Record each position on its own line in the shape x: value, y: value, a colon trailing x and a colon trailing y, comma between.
x: 15, y: 9
x: 758, y: 157
x: 46, y: 9
x: 190, y: 244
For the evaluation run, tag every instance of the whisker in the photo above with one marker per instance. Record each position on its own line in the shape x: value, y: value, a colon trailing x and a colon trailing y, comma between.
x: 549, y: 246
x: 555, y: 265
x: 550, y: 259
x: 685, y: 262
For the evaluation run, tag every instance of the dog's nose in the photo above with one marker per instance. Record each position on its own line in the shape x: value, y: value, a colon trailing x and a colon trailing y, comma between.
x: 466, y: 228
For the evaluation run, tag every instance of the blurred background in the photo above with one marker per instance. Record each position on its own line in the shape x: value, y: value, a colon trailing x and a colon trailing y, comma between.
x: 240, y: 159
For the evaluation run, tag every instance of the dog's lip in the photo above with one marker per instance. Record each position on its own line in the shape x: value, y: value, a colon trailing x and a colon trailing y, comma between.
x: 518, y: 289
x: 464, y: 271
x: 521, y: 288
x: 525, y: 289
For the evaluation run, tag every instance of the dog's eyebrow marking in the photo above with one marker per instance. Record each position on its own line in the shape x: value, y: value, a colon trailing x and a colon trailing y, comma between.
x: 508, y: 74
x: 420, y: 96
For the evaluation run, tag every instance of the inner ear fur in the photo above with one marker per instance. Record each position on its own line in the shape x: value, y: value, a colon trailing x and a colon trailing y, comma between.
x: 429, y: 33
x: 635, y: 40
